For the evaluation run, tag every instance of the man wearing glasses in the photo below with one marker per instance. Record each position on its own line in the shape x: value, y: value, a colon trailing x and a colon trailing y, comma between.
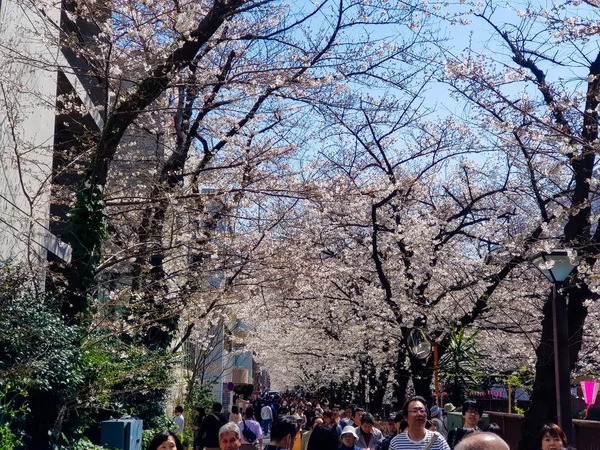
x: 417, y: 437
x: 471, y: 414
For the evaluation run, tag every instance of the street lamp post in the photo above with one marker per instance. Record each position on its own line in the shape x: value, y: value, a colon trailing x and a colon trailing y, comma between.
x: 556, y: 267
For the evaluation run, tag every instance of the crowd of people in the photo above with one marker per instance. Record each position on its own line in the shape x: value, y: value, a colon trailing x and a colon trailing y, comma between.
x: 294, y: 424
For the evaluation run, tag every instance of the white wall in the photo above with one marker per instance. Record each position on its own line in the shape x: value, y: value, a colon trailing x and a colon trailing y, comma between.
x: 28, y: 55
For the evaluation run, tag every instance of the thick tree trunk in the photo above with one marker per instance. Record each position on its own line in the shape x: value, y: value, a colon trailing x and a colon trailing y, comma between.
x: 422, y: 378
x: 362, y: 384
x: 87, y: 235
x: 401, y: 381
x: 543, y: 398
x: 377, y: 389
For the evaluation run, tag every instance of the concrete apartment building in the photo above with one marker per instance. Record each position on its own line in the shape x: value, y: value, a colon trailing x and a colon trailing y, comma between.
x: 37, y: 70
x: 28, y: 82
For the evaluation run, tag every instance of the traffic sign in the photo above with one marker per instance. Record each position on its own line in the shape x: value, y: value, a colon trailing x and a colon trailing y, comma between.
x: 230, y: 386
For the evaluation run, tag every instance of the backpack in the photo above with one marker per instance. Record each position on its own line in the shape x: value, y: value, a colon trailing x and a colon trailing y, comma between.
x: 248, y: 434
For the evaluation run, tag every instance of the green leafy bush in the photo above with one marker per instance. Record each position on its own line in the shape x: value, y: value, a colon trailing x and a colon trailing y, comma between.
x: 8, y: 440
x: 38, y: 357
x: 38, y: 352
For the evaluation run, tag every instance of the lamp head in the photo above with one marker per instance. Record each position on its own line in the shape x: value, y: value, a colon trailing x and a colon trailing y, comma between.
x: 555, y: 265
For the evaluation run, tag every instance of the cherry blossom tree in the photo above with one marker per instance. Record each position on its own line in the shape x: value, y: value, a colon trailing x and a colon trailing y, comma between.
x: 283, y: 164
x: 538, y: 97
x: 450, y: 222
x: 172, y: 181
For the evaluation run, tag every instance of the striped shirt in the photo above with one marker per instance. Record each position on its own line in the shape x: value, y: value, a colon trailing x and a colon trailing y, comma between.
x: 403, y: 442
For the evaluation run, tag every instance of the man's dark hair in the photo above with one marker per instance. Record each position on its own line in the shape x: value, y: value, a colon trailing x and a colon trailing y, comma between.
x: 351, y: 406
x: 328, y: 414
x: 367, y: 418
x: 282, y: 428
x: 311, y: 422
x: 357, y: 409
x: 414, y: 398
x: 403, y: 426
x: 217, y: 407
x: 179, y: 409
x: 322, y: 439
x: 249, y: 412
x: 471, y: 404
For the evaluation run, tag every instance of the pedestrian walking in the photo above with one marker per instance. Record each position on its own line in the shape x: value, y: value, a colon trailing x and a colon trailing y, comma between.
x: 251, y: 432
x: 165, y: 440
x: 551, y: 437
x: 437, y: 421
x: 329, y: 422
x: 357, y: 413
x: 448, y: 408
x: 229, y: 437
x: 235, y: 415
x: 349, y: 438
x: 347, y: 419
x: 266, y: 416
x: 283, y: 435
x: 471, y: 414
x: 179, y: 419
x: 298, y: 439
x: 309, y: 411
x: 199, y: 414
x: 368, y: 435
x: 300, y: 412
x: 210, y: 427
x: 394, y: 421
x: 323, y: 438
x: 417, y: 437
x: 312, y: 424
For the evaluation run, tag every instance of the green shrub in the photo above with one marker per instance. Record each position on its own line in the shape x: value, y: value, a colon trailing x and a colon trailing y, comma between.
x: 85, y: 444
x: 8, y: 440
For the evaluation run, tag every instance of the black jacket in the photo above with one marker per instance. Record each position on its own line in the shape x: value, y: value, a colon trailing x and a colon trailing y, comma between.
x: 323, y: 439
x: 457, y: 435
x: 385, y: 444
x: 210, y: 429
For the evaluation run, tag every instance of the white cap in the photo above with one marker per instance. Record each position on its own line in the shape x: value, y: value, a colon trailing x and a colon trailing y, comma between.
x: 349, y: 429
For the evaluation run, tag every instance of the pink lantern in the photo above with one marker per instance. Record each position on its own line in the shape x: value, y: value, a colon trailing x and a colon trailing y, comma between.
x: 590, y: 391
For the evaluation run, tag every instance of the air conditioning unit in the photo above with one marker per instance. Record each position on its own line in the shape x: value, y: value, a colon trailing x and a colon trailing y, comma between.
x: 122, y: 434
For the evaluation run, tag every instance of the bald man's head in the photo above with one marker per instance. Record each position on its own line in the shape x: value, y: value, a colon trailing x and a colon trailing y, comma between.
x: 482, y: 441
